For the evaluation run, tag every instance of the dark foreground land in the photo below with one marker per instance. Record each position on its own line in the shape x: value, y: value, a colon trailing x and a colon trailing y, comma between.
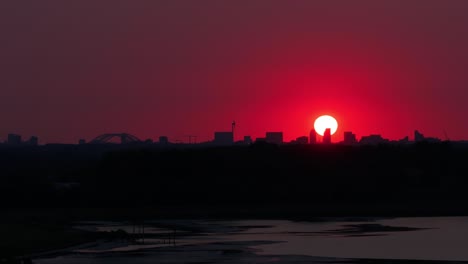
x: 44, y: 189
x: 386, y: 178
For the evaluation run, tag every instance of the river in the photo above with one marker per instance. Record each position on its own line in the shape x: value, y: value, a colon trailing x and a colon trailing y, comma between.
x: 279, y: 241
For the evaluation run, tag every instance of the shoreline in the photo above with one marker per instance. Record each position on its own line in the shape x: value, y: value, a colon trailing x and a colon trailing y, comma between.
x: 27, y: 222
x: 231, y: 251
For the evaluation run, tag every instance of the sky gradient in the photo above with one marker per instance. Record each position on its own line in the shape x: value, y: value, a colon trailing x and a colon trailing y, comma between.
x: 77, y: 69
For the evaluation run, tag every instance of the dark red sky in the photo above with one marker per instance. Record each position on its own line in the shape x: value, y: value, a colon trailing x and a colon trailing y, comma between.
x: 77, y: 69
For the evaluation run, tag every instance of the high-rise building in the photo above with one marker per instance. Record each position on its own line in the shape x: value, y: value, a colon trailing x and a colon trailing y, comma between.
x: 274, y: 137
x: 313, y: 137
x: 349, y: 138
x: 327, y: 136
x: 223, y: 138
x: 14, y: 139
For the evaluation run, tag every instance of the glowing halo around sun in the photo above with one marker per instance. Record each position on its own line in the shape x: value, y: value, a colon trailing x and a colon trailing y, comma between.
x: 324, y: 122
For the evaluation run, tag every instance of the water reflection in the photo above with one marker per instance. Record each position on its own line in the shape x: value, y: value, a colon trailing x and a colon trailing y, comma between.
x: 442, y: 238
x: 432, y: 238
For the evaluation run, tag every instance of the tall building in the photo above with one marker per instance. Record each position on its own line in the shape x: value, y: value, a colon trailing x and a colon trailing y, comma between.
x: 223, y: 138
x: 349, y: 138
x: 313, y: 137
x: 327, y: 136
x: 274, y: 137
x: 14, y: 139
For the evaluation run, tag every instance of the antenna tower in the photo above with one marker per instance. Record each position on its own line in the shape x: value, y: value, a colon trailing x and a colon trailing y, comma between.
x: 233, y: 128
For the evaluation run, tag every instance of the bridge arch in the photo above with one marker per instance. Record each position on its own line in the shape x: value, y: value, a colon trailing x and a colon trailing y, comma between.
x: 123, y: 138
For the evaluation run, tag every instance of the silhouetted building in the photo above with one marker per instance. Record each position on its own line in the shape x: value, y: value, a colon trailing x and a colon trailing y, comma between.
x: 163, y: 140
x: 33, y: 141
x: 418, y: 136
x: 312, y: 137
x: 260, y: 139
x: 327, y: 136
x: 14, y: 139
x: 302, y: 140
x: 373, y: 140
x: 223, y: 138
x: 81, y: 142
x: 349, y: 138
x: 247, y: 140
x: 274, y: 137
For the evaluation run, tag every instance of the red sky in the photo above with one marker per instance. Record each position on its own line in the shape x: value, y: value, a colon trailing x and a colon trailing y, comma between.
x: 77, y: 69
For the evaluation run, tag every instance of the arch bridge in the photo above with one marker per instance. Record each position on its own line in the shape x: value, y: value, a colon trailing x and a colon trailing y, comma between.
x: 123, y: 138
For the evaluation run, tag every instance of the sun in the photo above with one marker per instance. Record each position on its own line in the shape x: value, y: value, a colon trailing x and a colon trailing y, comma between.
x: 324, y: 122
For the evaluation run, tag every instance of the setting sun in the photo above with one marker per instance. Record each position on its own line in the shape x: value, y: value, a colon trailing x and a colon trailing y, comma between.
x: 324, y: 122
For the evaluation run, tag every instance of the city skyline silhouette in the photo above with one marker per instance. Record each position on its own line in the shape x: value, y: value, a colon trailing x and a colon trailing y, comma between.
x: 348, y: 137
x: 227, y: 131
x: 186, y: 68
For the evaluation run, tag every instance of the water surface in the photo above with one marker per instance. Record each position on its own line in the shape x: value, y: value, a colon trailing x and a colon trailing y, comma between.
x: 422, y: 238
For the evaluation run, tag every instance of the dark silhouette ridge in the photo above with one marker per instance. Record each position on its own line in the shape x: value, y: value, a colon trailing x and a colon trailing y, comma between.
x: 423, y: 178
